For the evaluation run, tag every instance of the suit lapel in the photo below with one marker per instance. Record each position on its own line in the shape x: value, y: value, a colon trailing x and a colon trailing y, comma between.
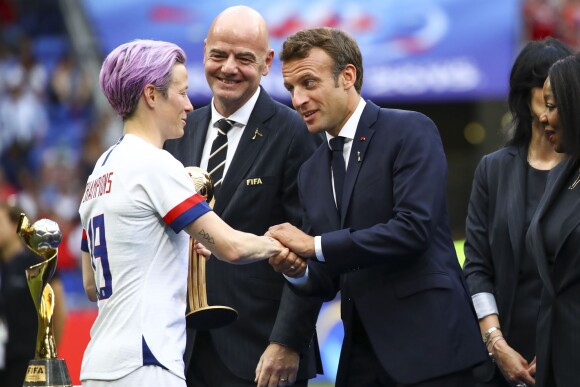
x: 556, y: 181
x: 198, y: 134
x: 516, y: 200
x: 253, y: 138
x: 360, y: 143
x: 572, y: 220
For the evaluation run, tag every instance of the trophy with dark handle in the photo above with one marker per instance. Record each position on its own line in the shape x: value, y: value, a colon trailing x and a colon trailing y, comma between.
x: 201, y: 316
x: 43, y: 238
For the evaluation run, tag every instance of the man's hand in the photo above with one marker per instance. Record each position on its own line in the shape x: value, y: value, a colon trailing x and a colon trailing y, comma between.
x: 300, y: 243
x: 278, y: 366
x: 288, y: 264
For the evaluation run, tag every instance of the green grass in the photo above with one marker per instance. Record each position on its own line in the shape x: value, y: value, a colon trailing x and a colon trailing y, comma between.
x: 459, y: 249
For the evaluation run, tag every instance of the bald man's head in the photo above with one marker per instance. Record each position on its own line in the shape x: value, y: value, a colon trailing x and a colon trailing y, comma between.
x: 241, y: 20
x: 237, y: 54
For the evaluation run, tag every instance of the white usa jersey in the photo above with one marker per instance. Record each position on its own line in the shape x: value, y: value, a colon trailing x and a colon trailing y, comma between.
x: 136, y: 202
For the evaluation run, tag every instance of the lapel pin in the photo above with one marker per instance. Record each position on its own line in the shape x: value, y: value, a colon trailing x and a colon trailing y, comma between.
x: 362, y: 138
x: 257, y: 133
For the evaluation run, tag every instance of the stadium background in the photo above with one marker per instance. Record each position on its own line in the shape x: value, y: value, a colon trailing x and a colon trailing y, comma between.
x: 449, y: 59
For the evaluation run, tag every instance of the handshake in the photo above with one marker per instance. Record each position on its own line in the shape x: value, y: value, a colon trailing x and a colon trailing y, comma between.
x: 299, y: 246
x: 296, y: 248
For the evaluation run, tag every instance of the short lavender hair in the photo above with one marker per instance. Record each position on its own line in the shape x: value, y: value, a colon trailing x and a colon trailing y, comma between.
x: 131, y: 66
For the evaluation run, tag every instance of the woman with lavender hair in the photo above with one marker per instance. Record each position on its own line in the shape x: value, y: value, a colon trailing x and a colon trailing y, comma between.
x: 136, y: 203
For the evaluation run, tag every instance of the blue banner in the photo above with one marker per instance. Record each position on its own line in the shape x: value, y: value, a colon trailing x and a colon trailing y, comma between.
x: 413, y: 51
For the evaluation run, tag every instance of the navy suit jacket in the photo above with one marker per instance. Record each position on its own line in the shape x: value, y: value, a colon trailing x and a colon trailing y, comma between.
x: 391, y: 254
x: 558, y: 337
x: 258, y: 191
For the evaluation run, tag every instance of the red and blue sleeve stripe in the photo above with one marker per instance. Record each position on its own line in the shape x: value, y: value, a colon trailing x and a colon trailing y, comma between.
x: 84, y: 242
x: 186, y: 212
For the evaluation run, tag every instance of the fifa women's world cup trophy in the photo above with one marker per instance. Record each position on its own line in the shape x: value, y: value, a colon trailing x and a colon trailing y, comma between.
x: 43, y: 238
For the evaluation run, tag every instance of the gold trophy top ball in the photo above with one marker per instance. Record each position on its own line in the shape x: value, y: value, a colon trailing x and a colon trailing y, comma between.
x: 45, y: 235
x: 202, y: 181
x: 42, y: 237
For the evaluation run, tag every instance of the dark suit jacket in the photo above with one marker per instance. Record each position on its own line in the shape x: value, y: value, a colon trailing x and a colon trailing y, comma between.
x: 558, y: 332
x: 495, y: 231
x: 391, y: 254
x: 268, y: 310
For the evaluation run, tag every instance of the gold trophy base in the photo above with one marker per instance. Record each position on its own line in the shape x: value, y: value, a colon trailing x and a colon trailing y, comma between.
x: 210, y: 317
x: 47, y: 373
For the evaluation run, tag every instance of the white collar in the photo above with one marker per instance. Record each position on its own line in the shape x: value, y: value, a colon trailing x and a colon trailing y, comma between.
x: 240, y: 116
x: 348, y: 131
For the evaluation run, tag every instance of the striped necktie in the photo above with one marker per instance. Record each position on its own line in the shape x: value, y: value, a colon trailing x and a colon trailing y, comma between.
x: 219, y: 150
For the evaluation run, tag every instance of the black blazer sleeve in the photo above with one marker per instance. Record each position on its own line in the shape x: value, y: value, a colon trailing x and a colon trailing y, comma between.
x: 478, y: 267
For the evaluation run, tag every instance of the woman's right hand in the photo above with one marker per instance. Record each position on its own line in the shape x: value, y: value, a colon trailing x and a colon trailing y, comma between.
x: 512, y: 365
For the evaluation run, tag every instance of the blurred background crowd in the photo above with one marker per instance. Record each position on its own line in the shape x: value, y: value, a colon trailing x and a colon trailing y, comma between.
x: 53, y: 124
x: 50, y: 128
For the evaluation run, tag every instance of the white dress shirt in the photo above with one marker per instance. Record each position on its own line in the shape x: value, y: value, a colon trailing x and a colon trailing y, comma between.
x: 348, y: 131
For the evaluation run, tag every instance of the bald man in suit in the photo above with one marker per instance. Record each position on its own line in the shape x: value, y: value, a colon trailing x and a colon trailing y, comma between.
x: 274, y: 337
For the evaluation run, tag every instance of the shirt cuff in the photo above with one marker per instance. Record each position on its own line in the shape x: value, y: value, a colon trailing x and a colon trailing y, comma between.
x: 318, y: 249
x: 300, y: 280
x: 484, y: 304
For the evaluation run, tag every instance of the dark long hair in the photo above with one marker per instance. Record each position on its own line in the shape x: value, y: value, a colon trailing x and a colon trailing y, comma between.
x: 565, y: 81
x: 530, y: 70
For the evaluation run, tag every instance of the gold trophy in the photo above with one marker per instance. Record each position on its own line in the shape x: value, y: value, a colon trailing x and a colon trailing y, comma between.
x: 43, y: 238
x: 200, y: 315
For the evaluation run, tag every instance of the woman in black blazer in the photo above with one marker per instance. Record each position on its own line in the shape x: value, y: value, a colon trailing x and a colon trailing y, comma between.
x: 508, y: 184
x: 554, y: 234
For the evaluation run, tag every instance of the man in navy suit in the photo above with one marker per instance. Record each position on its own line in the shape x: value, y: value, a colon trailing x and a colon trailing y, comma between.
x: 377, y: 226
x: 273, y: 338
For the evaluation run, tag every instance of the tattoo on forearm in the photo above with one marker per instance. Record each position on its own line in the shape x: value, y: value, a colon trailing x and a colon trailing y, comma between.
x: 206, y: 237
